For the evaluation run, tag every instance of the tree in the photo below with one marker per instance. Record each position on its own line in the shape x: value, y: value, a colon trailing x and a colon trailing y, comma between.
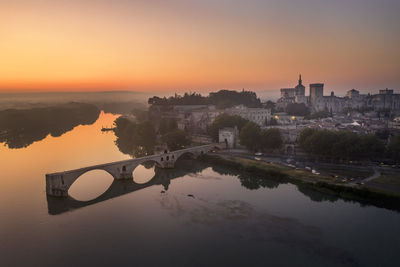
x: 167, y: 125
x: 270, y: 105
x: 297, y: 109
x: 225, y: 120
x: 383, y: 134
x: 321, y: 142
x: 304, y: 135
x: 271, y: 139
x: 372, y: 146
x: 250, y: 136
x: 271, y: 122
x: 394, y: 148
x: 222, y: 99
x: 319, y: 115
x: 136, y: 139
x: 176, y: 139
x: 140, y: 114
x: 340, y: 145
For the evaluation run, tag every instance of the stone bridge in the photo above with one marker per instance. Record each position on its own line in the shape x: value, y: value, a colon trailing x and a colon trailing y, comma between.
x: 58, y: 184
x: 58, y: 205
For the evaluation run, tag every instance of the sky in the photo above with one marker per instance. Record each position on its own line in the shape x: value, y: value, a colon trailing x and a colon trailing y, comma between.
x: 198, y: 45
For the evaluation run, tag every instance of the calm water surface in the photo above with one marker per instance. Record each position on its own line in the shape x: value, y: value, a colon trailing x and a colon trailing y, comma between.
x: 194, y: 215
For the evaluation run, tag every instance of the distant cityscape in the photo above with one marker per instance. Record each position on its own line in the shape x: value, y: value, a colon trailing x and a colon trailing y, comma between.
x: 293, y: 112
x: 386, y: 100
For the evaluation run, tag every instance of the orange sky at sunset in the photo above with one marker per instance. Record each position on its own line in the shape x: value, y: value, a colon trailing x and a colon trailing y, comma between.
x: 198, y: 45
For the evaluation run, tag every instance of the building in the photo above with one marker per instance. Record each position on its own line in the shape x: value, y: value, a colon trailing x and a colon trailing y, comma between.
x: 316, y: 92
x: 261, y: 116
x: 386, y: 100
x: 292, y: 95
x: 229, y: 136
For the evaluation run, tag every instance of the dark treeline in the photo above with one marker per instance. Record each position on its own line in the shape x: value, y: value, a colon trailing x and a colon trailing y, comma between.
x: 221, y: 99
x: 139, y: 138
x: 256, y: 139
x: 20, y: 128
x: 343, y: 145
x: 134, y: 138
x: 254, y: 175
x: 297, y: 109
x: 300, y: 109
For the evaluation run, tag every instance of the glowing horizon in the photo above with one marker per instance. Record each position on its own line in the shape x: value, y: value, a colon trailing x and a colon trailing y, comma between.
x: 198, y: 45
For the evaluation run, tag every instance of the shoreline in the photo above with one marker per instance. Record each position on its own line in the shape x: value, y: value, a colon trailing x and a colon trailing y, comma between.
x: 322, y: 184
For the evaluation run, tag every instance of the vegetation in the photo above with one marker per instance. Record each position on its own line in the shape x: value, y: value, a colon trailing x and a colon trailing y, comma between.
x: 340, y: 145
x: 297, y: 109
x: 225, y: 120
x: 271, y: 122
x: 20, y: 128
x: 167, y: 125
x: 140, y: 114
x: 176, y: 139
x: 394, y: 149
x: 252, y: 137
x: 222, y: 99
x: 270, y: 105
x: 308, y: 183
x: 136, y: 139
x: 139, y: 137
x: 271, y: 139
x: 319, y: 115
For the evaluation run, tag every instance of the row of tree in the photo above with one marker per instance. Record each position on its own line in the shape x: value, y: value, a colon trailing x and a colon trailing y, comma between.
x: 21, y: 127
x: 253, y: 138
x: 347, y: 145
x: 221, y: 99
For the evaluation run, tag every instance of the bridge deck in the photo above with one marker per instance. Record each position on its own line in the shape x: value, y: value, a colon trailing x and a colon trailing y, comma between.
x: 151, y: 157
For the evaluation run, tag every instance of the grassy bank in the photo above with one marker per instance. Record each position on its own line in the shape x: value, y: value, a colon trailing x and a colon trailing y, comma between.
x: 307, y: 181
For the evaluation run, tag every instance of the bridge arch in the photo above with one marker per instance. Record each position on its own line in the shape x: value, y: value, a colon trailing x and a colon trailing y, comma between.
x: 186, y: 153
x: 90, y: 185
x: 145, y: 171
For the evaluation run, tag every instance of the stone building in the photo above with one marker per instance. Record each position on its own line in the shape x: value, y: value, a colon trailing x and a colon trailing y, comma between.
x: 316, y: 101
x: 229, y: 136
x: 292, y: 95
x: 258, y: 115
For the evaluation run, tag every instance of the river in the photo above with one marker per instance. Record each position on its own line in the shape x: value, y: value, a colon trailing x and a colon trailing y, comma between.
x: 194, y: 215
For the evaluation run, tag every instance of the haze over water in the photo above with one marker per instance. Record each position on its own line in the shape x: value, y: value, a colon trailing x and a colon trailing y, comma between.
x: 224, y: 223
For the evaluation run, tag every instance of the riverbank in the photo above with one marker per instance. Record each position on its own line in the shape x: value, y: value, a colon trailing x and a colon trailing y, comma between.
x: 305, y: 181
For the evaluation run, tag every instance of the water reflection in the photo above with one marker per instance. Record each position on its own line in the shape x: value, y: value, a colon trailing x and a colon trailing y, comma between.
x: 144, y: 173
x: 162, y: 177
x: 246, y: 223
x: 90, y: 185
x: 20, y: 128
x: 191, y: 167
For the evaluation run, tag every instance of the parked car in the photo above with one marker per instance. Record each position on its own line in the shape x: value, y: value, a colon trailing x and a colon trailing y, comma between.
x: 315, y: 172
x: 258, y: 154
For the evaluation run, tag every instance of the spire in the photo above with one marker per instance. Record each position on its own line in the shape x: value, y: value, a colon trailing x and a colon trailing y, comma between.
x: 300, y: 81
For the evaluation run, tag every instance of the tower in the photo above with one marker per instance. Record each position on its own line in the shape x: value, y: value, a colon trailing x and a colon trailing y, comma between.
x: 316, y: 91
x: 300, y: 90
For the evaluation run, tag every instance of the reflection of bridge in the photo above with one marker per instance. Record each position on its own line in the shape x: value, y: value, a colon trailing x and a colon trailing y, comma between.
x: 57, y: 184
x: 57, y: 205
